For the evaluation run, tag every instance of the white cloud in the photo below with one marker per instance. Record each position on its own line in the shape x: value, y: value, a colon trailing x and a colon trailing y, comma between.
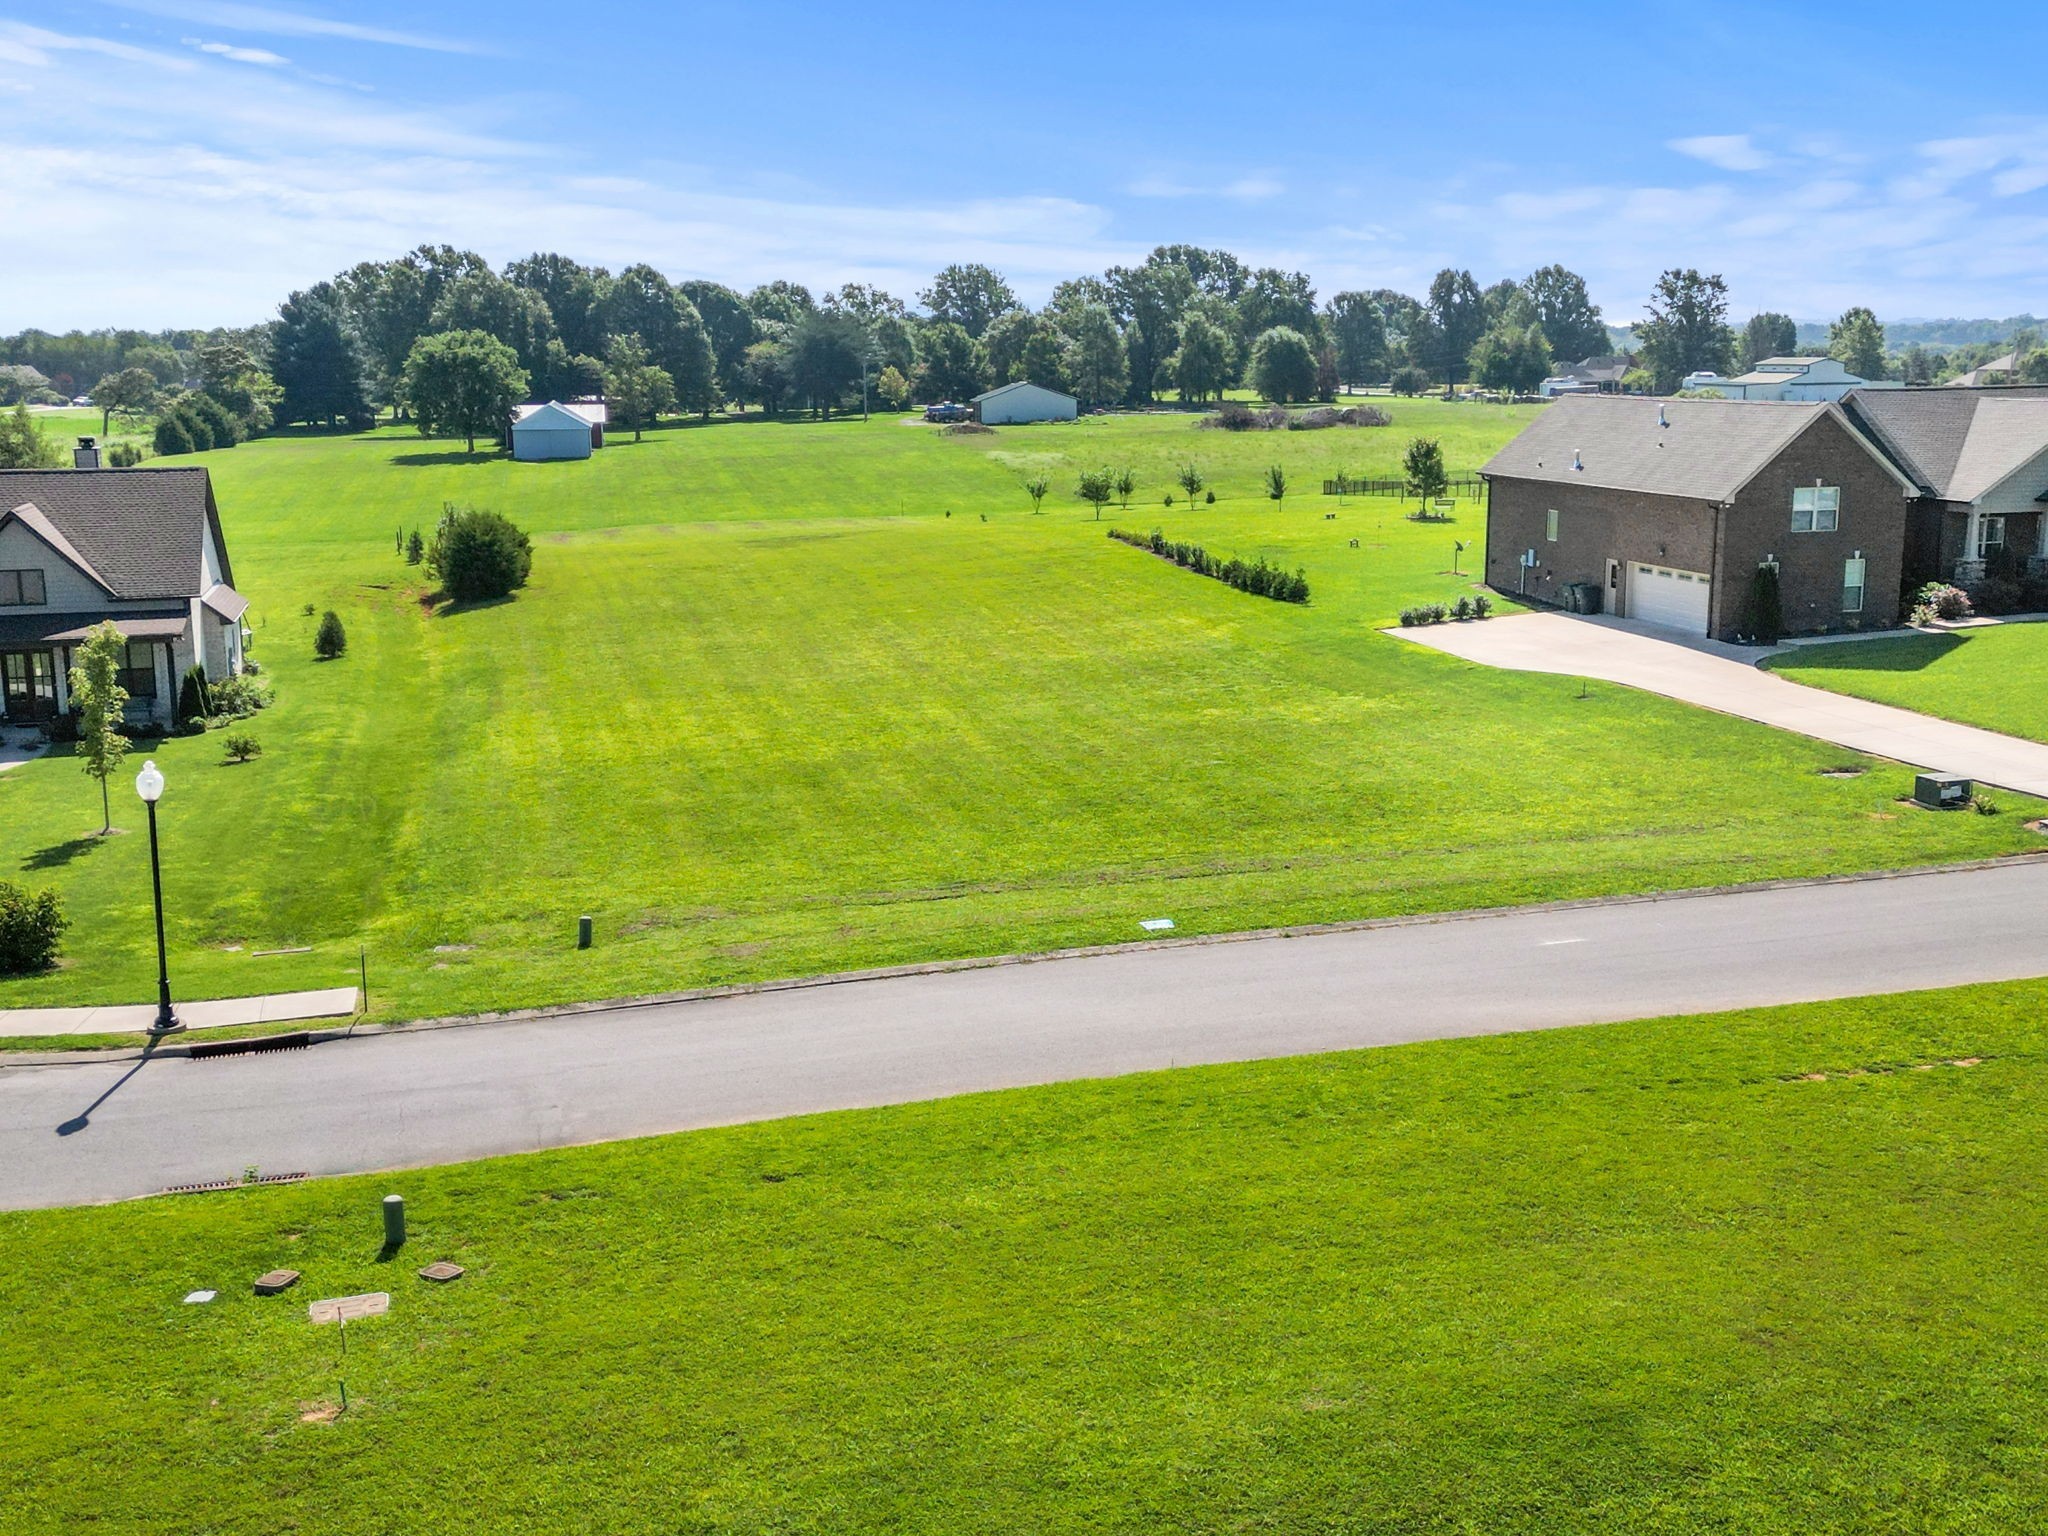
x: 1724, y: 151
x: 275, y: 21
x: 1250, y: 189
x: 240, y: 55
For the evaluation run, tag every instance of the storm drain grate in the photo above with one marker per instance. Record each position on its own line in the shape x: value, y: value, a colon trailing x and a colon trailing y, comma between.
x: 298, y: 1040
x: 211, y: 1186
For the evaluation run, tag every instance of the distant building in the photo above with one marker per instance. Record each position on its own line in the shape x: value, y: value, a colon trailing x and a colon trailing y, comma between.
x: 1786, y: 378
x: 1596, y: 375
x: 2000, y: 370
x: 557, y: 431
x: 1024, y: 401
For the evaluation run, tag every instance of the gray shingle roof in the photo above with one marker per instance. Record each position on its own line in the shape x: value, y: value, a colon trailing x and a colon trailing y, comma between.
x: 141, y: 530
x: 1924, y: 431
x: 1708, y: 450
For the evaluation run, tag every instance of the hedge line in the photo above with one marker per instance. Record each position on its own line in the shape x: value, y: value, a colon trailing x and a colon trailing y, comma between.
x: 1257, y: 578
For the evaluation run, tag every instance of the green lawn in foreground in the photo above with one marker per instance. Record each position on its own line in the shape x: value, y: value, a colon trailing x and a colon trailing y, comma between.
x: 1641, y: 1278
x: 766, y: 710
x: 1996, y: 677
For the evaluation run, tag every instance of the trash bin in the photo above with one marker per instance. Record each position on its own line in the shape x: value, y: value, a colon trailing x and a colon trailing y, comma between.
x: 1591, y: 596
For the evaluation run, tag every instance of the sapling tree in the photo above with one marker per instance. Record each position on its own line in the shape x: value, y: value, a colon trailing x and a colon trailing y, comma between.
x: 1097, y: 486
x: 1423, y: 464
x: 99, y: 698
x: 1126, y: 487
x: 1035, y: 488
x: 1276, y: 484
x: 1191, y: 481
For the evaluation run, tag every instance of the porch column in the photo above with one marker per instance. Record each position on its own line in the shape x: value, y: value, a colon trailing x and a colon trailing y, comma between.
x: 60, y: 658
x: 1969, y: 567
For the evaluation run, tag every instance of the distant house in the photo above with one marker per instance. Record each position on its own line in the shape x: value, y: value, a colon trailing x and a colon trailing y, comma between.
x: 1668, y: 507
x: 1785, y: 378
x: 558, y: 431
x: 1596, y: 375
x: 1024, y: 401
x: 1978, y: 459
x: 2000, y: 370
x: 141, y: 547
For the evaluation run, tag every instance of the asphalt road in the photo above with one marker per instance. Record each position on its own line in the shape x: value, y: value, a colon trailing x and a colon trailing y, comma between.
x: 100, y: 1131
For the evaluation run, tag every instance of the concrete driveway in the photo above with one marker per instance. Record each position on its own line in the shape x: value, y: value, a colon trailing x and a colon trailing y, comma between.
x: 1726, y: 678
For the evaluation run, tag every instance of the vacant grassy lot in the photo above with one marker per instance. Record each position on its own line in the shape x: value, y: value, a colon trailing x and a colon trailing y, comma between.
x: 1767, y: 1272
x: 768, y: 709
x: 1994, y: 677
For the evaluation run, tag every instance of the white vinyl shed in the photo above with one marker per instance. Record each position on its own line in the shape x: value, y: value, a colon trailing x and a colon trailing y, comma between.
x: 550, y: 431
x: 1024, y: 401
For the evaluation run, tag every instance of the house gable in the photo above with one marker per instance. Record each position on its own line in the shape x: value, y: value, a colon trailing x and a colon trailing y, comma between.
x: 29, y: 542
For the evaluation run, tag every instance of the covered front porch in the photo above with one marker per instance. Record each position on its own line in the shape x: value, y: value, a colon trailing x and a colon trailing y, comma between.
x: 37, y: 652
x: 1977, y: 544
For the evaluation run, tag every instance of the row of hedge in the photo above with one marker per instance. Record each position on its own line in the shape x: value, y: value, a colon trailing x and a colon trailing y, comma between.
x: 194, y: 424
x: 1256, y: 577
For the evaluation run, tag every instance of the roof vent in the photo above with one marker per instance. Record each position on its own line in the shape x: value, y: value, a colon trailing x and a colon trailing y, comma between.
x: 87, y: 454
x: 1577, y: 462
x: 1662, y: 419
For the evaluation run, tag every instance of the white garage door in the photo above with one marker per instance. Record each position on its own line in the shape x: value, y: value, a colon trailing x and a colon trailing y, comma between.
x: 1674, y: 599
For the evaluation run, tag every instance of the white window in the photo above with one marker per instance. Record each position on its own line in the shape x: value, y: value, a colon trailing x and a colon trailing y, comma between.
x: 1550, y: 525
x: 1816, y: 509
x: 1990, y: 535
x: 1852, y: 584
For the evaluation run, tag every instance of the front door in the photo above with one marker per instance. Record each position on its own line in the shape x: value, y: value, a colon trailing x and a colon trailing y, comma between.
x: 28, y: 685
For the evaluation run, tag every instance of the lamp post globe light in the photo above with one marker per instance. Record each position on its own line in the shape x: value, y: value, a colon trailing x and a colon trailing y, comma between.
x: 149, y: 784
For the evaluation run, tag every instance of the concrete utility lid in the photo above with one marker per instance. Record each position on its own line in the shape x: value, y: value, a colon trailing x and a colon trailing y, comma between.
x: 441, y: 1269
x: 277, y: 1280
x: 346, y: 1309
x: 199, y: 1298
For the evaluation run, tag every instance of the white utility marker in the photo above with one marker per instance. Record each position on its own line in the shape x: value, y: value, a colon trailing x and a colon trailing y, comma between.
x: 346, y: 1309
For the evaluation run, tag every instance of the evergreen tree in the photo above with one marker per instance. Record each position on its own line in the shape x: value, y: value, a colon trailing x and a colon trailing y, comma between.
x: 314, y: 361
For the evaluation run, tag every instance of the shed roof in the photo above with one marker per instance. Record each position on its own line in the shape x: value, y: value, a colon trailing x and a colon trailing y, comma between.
x: 1017, y: 384
x: 1707, y: 450
x: 140, y: 533
x: 551, y: 417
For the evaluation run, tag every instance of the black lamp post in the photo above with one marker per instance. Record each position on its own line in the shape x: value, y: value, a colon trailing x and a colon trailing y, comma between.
x: 149, y: 784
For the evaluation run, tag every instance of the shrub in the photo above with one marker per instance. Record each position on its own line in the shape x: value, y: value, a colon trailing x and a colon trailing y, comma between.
x: 1209, y: 498
x: 1943, y: 601
x: 124, y: 455
x: 332, y: 640
x: 1763, y: 608
x: 220, y: 421
x: 31, y: 922
x: 1258, y: 578
x: 1462, y: 608
x: 192, y: 704
x: 1482, y: 606
x: 415, y: 548
x: 174, y: 435
x: 237, y: 698
x: 1996, y: 594
x: 241, y: 747
x: 478, y: 554
x: 1409, y: 381
x: 1232, y: 416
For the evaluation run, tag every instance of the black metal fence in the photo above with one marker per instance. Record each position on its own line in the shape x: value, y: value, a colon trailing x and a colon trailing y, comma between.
x: 1457, y: 485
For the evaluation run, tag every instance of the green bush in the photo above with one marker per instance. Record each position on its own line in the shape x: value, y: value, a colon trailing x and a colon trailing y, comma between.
x: 1763, y: 608
x: 220, y: 421
x: 237, y: 698
x: 241, y: 747
x: 174, y: 435
x: 478, y: 554
x: 332, y: 639
x: 1258, y: 578
x: 31, y: 922
x: 1482, y: 606
x: 124, y: 456
x: 193, y: 706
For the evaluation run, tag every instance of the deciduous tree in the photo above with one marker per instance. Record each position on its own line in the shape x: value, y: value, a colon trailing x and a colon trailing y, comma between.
x: 1686, y: 327
x: 1201, y: 368
x: 462, y: 383
x: 1570, y: 319
x: 1283, y: 365
x: 1359, y: 332
x: 969, y: 295
x: 1766, y: 335
x: 1457, y: 315
x: 1856, y: 341
x: 99, y: 698
x: 1095, y: 365
x: 637, y: 391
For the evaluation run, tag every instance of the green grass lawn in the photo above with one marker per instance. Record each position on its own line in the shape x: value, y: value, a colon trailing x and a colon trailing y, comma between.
x: 1645, y: 1278
x: 1996, y: 677
x: 767, y: 709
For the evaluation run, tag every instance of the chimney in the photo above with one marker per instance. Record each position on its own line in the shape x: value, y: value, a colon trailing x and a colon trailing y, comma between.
x: 87, y: 454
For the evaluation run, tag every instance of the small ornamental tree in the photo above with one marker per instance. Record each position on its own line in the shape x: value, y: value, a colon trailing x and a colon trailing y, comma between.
x: 1097, y: 486
x: 1035, y: 488
x: 99, y: 698
x: 1763, y: 608
x: 1276, y: 484
x: 331, y: 640
x: 30, y: 924
x: 892, y: 388
x: 192, y: 705
x: 1126, y: 487
x: 1423, y: 464
x: 1191, y: 481
x: 415, y: 548
x: 478, y: 554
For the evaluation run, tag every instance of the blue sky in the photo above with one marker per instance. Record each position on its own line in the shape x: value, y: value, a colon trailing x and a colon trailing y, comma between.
x: 190, y: 161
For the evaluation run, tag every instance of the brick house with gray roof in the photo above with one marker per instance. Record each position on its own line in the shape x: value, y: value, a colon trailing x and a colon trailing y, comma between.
x: 142, y: 547
x: 1668, y: 507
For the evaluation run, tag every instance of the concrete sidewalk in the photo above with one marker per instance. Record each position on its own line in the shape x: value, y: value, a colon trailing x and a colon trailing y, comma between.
x: 1726, y: 678
x: 275, y: 1008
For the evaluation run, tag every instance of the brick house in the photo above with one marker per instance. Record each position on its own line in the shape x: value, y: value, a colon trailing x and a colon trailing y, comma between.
x: 1668, y: 507
x: 141, y: 547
